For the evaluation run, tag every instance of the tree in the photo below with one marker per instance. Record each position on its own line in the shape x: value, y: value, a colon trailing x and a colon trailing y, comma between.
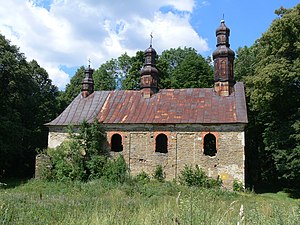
x: 13, y: 69
x: 72, y: 89
x: 105, y: 77
x: 83, y: 157
x: 27, y: 100
x: 121, y: 73
x: 131, y: 79
x: 179, y: 68
x: 271, y: 74
x: 184, y: 68
x: 43, y: 102
x: 244, y: 63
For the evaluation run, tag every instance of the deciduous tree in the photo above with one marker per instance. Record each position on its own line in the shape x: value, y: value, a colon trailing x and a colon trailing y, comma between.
x: 184, y: 68
x: 270, y: 69
x: 27, y: 101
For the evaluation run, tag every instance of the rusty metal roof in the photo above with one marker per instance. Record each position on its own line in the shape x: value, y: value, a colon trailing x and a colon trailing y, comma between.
x: 81, y: 109
x: 168, y: 106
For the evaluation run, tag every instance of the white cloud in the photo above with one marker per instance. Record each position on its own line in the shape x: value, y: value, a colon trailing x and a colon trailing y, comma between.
x: 172, y: 31
x: 70, y: 32
x: 186, y: 5
x: 59, y: 77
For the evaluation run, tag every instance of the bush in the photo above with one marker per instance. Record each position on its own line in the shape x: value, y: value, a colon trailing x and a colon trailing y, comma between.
x: 237, y: 185
x: 197, y: 177
x: 91, y: 137
x: 213, y: 183
x: 159, y: 174
x: 83, y: 157
x: 142, y: 177
x: 115, y: 170
x: 66, y: 162
x: 96, y: 166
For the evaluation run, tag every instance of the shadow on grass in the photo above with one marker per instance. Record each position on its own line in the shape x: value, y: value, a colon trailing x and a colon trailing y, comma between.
x: 12, y: 182
x: 267, y: 188
x: 291, y: 192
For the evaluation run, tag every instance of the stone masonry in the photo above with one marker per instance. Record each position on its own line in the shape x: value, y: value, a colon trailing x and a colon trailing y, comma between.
x: 185, y: 147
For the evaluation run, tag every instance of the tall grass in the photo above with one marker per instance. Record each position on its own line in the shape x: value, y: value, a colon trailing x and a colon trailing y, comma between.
x: 101, y: 202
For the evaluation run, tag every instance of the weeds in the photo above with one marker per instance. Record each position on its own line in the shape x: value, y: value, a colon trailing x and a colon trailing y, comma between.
x: 197, y: 177
x: 159, y: 173
x: 237, y: 186
x: 131, y: 202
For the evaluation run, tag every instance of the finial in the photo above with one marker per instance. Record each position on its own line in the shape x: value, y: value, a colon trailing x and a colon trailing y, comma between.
x: 222, y: 20
x: 151, y: 37
x: 89, y: 60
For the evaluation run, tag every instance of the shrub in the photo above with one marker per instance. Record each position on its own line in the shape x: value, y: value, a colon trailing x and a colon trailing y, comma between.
x: 96, y: 166
x: 237, y: 185
x: 197, y: 177
x: 84, y: 157
x: 67, y: 162
x: 159, y: 174
x: 213, y: 183
x: 115, y: 170
x: 91, y: 137
x: 142, y: 177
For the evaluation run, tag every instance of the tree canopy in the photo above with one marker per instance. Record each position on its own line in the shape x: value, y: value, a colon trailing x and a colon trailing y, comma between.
x: 270, y: 68
x: 27, y: 101
x: 184, y: 68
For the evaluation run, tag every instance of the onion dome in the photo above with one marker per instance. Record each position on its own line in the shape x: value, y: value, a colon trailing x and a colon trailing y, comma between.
x: 150, y: 61
x: 222, y: 34
x: 149, y: 73
x: 223, y: 58
x: 88, y: 82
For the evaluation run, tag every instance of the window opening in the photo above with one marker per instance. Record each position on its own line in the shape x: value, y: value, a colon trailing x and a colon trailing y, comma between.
x: 116, y: 143
x: 210, y: 147
x: 161, y: 144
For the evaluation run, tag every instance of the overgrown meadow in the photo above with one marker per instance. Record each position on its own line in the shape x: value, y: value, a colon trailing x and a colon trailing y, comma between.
x: 139, y: 202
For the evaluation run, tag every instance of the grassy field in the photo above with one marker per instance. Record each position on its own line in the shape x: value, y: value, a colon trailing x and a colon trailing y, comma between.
x: 96, y: 202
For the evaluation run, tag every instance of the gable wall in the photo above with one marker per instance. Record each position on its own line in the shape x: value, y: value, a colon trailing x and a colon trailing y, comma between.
x: 57, y: 134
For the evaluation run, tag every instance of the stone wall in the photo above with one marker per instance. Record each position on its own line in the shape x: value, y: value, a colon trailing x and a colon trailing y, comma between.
x: 185, y: 147
x: 42, y: 165
x: 56, y: 136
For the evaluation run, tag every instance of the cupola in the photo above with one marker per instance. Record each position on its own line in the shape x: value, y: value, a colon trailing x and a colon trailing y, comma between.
x: 149, y: 73
x: 88, y: 82
x: 223, y: 58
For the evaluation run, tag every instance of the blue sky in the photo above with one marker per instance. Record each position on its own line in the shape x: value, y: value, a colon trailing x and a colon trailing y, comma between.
x: 63, y: 34
x: 247, y: 19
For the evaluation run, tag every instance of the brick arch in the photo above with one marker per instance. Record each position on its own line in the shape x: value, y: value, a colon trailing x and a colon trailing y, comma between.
x: 216, y: 136
x: 161, y: 141
x: 116, y: 142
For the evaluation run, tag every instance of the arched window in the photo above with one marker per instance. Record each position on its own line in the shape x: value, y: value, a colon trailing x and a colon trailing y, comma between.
x: 210, y: 147
x: 161, y: 144
x: 116, y: 143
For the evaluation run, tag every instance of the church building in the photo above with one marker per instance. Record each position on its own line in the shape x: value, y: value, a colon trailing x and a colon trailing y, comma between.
x: 169, y: 127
